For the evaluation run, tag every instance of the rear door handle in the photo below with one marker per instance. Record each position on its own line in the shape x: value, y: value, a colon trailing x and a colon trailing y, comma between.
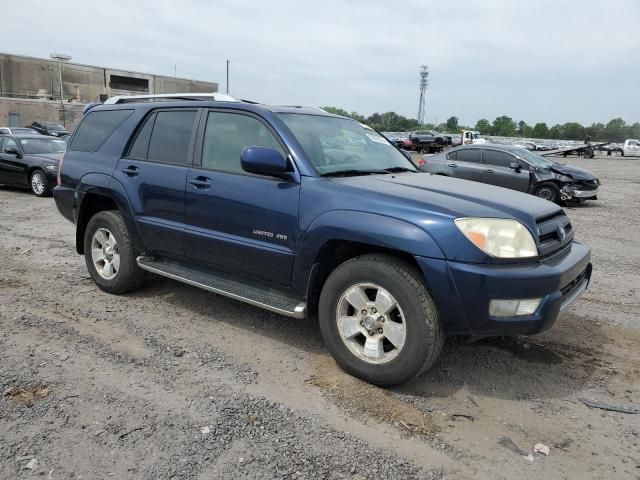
x: 452, y: 165
x: 487, y: 170
x: 201, y: 182
x: 131, y: 171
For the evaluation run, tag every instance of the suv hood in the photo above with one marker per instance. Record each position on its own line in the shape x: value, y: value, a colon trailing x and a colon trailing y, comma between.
x: 455, y: 197
x: 573, y: 172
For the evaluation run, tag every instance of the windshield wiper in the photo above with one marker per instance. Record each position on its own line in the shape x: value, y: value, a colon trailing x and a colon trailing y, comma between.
x: 399, y: 169
x: 352, y: 173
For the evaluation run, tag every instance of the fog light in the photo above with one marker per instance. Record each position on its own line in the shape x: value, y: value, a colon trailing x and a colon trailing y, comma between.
x: 513, y: 308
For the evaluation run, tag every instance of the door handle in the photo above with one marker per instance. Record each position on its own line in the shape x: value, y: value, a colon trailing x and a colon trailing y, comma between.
x: 452, y: 165
x: 487, y: 170
x: 201, y: 182
x: 131, y: 171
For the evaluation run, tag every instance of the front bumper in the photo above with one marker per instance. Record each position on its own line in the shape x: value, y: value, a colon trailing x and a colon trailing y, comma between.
x: 52, y: 179
x: 569, y: 193
x: 462, y: 291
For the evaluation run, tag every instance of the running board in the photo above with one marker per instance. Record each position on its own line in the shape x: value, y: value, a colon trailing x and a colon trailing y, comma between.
x: 246, y: 291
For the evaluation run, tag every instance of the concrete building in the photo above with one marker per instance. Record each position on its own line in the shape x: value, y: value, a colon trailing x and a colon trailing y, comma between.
x: 31, y: 88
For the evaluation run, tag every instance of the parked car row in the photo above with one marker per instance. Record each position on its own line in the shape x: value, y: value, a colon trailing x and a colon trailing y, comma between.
x: 31, y: 161
x: 42, y: 128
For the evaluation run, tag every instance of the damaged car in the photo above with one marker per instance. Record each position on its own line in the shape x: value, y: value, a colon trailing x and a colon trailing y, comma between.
x: 515, y: 168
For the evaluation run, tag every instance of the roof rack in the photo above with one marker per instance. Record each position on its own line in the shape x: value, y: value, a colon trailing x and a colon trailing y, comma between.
x: 217, y: 97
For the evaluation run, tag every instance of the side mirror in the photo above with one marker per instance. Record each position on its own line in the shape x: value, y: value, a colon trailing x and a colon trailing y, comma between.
x: 13, y: 151
x: 406, y: 153
x: 515, y: 166
x: 263, y: 161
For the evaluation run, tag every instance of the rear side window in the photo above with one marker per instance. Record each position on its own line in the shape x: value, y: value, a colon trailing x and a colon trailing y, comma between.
x: 140, y: 146
x: 171, y: 137
x: 471, y: 155
x: 452, y: 155
x: 499, y: 159
x: 96, y: 128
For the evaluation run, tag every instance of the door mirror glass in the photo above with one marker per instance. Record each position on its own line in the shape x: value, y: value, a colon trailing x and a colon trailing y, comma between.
x: 263, y: 161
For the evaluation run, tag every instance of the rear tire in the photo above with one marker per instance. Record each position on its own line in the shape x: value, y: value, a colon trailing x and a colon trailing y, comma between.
x: 109, y: 253
x: 547, y: 191
x: 384, y: 279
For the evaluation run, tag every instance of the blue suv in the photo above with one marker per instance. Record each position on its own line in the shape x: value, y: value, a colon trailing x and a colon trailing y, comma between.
x: 309, y: 214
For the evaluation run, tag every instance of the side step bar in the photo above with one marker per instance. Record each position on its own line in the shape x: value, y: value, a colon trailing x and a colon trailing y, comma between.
x: 253, y: 293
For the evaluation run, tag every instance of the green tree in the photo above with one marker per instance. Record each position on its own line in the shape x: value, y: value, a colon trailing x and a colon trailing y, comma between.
x: 452, y: 124
x: 556, y: 132
x: 616, y: 130
x: 483, y: 126
x: 521, y: 126
x: 504, y: 126
x: 573, y: 131
x: 540, y: 130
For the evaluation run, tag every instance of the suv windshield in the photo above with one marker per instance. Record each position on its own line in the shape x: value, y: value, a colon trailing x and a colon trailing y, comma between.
x: 535, y: 159
x: 42, y: 145
x: 337, y: 145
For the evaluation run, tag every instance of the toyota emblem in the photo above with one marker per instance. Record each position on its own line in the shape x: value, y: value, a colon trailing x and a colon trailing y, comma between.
x: 562, y: 233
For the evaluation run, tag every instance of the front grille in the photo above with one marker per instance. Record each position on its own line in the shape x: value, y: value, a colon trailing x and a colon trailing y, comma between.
x: 550, y: 239
x: 588, y: 184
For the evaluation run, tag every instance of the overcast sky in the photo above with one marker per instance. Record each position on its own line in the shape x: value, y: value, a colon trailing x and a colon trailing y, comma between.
x: 553, y: 61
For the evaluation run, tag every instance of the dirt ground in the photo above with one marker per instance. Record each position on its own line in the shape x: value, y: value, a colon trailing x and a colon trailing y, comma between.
x: 175, y: 382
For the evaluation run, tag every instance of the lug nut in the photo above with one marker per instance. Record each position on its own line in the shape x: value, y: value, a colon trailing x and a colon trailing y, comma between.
x: 361, y: 323
x: 373, y: 310
x: 379, y: 330
x: 381, y: 319
x: 364, y: 312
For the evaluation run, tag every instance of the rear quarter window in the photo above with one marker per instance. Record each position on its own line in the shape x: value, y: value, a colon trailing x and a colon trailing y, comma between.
x: 96, y: 128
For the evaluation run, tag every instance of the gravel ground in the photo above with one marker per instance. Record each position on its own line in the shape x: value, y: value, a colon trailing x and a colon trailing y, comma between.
x: 174, y: 382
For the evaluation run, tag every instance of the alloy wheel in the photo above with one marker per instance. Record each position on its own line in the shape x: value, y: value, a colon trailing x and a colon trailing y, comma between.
x: 105, y: 254
x: 371, y: 323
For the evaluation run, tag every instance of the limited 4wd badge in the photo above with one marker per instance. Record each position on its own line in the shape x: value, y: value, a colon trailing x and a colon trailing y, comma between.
x: 264, y: 233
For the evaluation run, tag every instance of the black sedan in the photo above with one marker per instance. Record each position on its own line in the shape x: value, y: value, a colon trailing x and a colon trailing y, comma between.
x: 515, y: 168
x: 30, y: 161
x: 50, y: 128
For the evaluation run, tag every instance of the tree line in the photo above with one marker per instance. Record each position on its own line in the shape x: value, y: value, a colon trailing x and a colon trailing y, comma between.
x: 616, y: 130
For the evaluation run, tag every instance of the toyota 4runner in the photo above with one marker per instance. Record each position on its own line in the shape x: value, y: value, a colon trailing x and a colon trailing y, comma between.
x: 309, y: 214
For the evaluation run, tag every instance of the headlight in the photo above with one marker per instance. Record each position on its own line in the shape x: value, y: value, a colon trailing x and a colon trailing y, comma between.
x: 503, y: 238
x: 51, y: 168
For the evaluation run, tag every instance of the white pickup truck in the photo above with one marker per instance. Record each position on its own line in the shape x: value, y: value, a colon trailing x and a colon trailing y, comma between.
x: 631, y: 148
x: 472, y: 138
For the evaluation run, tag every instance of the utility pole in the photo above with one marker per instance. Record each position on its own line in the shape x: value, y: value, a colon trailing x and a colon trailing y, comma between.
x: 424, y: 83
x: 60, y: 57
x: 228, y: 75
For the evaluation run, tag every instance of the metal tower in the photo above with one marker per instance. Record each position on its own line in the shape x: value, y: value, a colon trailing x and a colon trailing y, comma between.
x: 424, y: 83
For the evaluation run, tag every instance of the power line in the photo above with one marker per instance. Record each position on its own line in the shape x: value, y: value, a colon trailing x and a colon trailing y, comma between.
x: 424, y: 83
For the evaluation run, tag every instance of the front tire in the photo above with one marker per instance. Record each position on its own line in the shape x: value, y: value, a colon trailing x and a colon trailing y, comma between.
x: 548, y: 191
x: 109, y: 253
x: 38, y: 183
x: 378, y: 319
